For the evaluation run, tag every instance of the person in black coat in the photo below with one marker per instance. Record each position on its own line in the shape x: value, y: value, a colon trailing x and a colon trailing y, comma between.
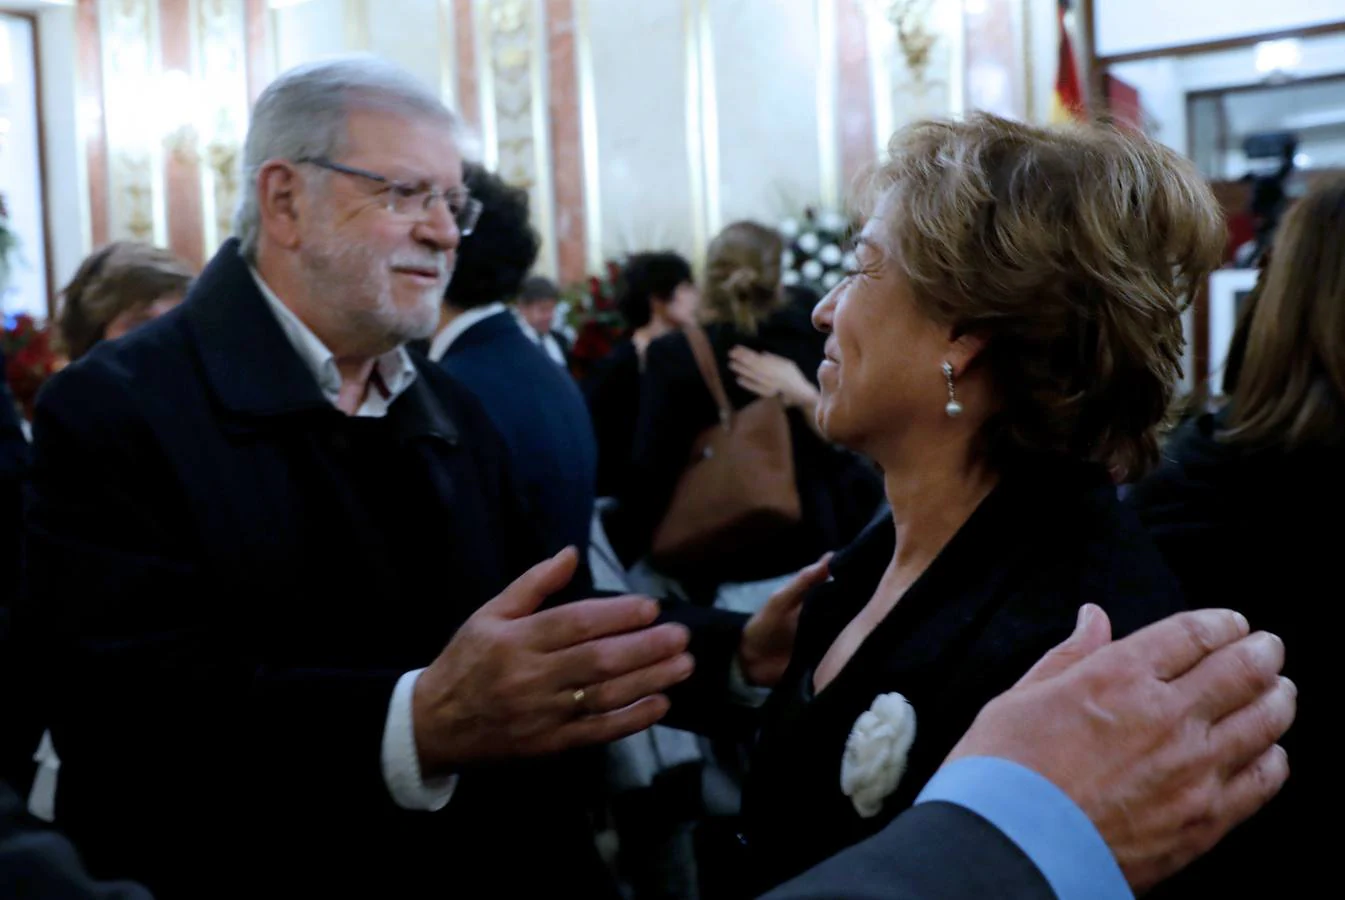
x: 22, y: 723
x: 533, y: 402
x: 115, y: 290
x: 744, y: 299
x: 657, y: 295
x: 999, y: 398
x: 38, y: 862
x: 1246, y: 509
x: 295, y: 648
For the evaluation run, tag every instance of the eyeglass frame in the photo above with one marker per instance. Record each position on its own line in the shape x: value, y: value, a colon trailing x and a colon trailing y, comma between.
x: 471, y: 209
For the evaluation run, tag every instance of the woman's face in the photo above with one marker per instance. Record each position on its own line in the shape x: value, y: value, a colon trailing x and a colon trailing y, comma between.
x: 131, y: 319
x: 682, y: 307
x: 882, y: 378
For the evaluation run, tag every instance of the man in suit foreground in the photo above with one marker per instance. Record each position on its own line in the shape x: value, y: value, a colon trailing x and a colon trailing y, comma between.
x: 533, y: 402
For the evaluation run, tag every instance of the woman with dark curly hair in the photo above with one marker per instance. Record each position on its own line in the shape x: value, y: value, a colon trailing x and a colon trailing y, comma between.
x: 657, y: 296
x: 1007, y: 348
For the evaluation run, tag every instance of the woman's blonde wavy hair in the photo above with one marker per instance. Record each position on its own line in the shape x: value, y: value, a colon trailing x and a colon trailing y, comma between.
x: 742, y: 275
x: 1074, y: 251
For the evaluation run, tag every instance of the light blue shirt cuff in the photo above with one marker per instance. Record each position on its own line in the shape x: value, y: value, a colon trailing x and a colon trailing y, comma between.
x: 1040, y: 818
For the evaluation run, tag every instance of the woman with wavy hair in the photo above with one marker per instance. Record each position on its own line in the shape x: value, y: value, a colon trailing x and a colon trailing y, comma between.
x: 1005, y: 352
x: 1246, y: 510
x: 117, y: 289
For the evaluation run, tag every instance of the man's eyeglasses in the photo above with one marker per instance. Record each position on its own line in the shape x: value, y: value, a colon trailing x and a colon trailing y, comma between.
x: 411, y: 200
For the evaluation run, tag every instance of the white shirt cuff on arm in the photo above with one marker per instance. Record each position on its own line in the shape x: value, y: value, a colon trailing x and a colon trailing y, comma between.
x: 741, y: 691
x: 401, y: 762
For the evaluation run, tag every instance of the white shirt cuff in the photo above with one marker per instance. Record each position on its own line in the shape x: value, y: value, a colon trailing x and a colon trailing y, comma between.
x: 401, y: 762
x: 741, y: 691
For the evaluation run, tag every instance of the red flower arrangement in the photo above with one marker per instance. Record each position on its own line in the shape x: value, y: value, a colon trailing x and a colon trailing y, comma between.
x: 30, y: 359
x: 594, y: 316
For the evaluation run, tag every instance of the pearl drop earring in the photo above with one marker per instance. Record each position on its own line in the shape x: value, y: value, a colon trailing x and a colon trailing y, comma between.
x: 952, y: 407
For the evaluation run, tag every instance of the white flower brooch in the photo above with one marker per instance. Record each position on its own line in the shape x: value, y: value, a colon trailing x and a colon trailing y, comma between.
x: 875, y: 753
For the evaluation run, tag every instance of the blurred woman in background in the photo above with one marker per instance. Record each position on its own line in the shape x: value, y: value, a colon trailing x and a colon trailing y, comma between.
x: 116, y: 290
x: 657, y: 295
x: 1246, y: 509
x: 743, y: 297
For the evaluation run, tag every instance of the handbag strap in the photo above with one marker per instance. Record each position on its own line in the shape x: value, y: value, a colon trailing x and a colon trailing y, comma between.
x: 705, y: 361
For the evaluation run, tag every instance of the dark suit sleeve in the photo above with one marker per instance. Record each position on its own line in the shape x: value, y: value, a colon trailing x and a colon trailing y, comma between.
x: 933, y: 851
x: 38, y: 862
x: 142, y: 648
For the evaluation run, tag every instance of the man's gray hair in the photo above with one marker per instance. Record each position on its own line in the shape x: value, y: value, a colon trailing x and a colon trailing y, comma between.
x: 303, y: 114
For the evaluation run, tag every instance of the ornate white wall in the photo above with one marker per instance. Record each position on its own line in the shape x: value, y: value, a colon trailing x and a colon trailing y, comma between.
x: 640, y: 95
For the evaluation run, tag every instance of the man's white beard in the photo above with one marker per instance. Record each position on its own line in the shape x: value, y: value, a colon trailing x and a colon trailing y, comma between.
x: 361, y: 283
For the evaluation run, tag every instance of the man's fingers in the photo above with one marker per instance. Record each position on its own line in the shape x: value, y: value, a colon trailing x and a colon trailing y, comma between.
x: 607, y: 727
x: 1247, y: 733
x: 1091, y: 632
x: 587, y: 620
x: 610, y: 658
x: 1170, y: 648
x: 530, y: 590
x: 1231, y: 677
x: 1252, y: 788
x: 622, y: 692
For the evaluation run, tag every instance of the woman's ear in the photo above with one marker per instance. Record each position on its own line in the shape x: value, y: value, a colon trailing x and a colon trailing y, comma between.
x: 964, y: 348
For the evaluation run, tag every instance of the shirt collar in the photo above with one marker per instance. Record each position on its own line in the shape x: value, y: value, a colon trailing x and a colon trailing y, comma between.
x: 454, y: 330
x: 531, y: 332
x: 393, y: 371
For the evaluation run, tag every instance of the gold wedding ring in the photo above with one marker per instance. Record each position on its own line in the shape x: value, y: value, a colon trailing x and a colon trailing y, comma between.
x: 579, y: 695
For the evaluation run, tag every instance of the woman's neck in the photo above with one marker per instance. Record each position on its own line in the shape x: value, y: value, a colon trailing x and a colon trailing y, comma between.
x: 930, y: 502
x: 645, y: 335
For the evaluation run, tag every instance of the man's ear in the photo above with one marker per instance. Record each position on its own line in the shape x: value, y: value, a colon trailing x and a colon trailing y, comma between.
x: 278, y: 186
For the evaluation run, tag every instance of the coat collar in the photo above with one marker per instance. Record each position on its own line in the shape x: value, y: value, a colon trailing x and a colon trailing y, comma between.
x: 501, y: 323
x: 253, y: 369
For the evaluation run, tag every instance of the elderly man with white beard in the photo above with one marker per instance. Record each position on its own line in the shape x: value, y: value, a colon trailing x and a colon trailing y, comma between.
x: 297, y: 646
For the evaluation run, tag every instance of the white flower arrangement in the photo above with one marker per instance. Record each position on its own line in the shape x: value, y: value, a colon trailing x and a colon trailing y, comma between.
x: 814, y: 257
x: 876, y: 751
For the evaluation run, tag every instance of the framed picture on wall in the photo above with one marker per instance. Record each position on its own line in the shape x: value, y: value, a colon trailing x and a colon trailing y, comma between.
x: 1228, y: 291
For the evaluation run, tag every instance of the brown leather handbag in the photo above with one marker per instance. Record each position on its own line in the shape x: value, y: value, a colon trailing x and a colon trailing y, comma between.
x: 738, y: 490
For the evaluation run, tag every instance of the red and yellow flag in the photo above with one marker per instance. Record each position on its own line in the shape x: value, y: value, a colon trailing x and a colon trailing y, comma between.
x: 1067, y: 104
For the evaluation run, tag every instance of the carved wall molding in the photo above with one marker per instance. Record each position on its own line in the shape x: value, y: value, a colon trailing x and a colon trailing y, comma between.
x: 515, y: 127
x: 129, y: 36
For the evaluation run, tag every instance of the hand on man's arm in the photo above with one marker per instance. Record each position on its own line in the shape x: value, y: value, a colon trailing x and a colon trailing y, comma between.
x: 1166, y: 739
x: 1163, y: 741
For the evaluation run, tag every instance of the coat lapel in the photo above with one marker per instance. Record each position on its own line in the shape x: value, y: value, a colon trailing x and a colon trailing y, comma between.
x: 250, y: 366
